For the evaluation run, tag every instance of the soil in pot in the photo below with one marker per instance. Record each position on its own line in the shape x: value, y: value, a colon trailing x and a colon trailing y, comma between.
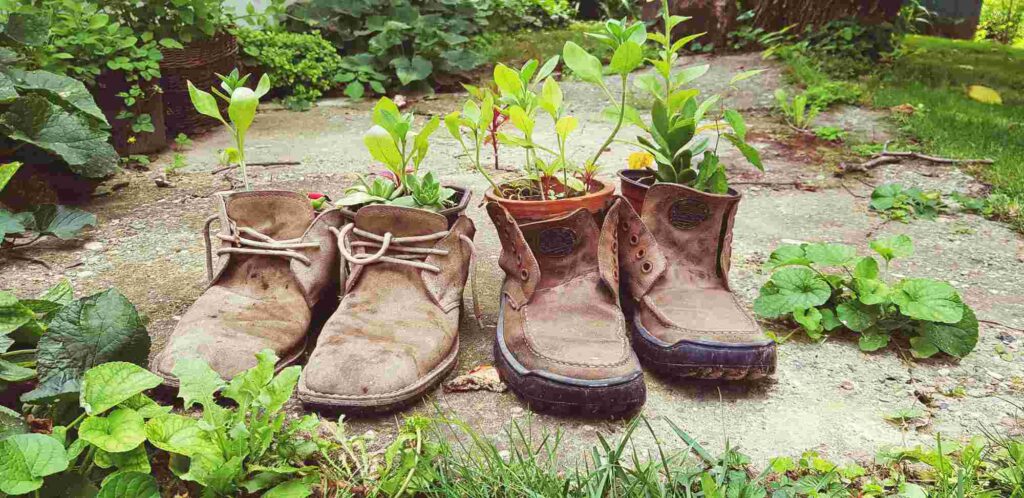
x: 461, y: 200
x: 523, y: 201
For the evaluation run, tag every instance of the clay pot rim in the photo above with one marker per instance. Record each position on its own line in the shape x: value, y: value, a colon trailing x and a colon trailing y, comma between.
x: 607, y: 189
x: 731, y: 194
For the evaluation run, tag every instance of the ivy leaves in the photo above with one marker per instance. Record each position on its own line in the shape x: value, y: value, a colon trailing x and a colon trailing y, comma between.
x: 823, y: 287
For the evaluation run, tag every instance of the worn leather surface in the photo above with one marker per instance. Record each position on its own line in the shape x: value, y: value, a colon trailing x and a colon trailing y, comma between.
x: 561, y: 312
x: 675, y: 260
x: 395, y: 323
x: 255, y: 302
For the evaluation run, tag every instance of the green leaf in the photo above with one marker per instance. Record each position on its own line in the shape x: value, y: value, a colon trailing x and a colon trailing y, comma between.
x: 745, y: 75
x: 110, y: 384
x: 809, y: 319
x: 12, y: 372
x: 97, y: 329
x: 60, y: 90
x: 585, y: 66
x: 120, y: 431
x: 7, y: 171
x: 382, y: 147
x: 145, y: 406
x: 71, y: 137
x: 130, y: 485
x: 856, y: 316
x: 11, y: 423
x: 204, y: 102
x: 26, y: 28
x: 921, y: 347
x: 507, y: 80
x: 273, y: 397
x: 60, y: 221
x: 263, y: 86
x: 689, y: 74
x: 410, y: 70
x: 13, y: 314
x: 68, y: 485
x: 830, y: 254
x: 867, y: 268
x: 829, y: 321
x: 134, y: 460
x: 242, y: 109
x: 247, y: 386
x: 791, y: 289
x: 787, y: 255
x: 751, y: 154
x: 295, y: 488
x: 198, y: 382
x: 565, y: 126
x: 735, y: 120
x: 871, y: 291
x: 957, y: 339
x: 25, y: 459
x: 927, y: 299
x: 551, y: 97
x: 179, y: 435
x: 626, y: 58
x: 899, y: 246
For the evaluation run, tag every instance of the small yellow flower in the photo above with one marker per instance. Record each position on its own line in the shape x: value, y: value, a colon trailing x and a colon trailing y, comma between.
x: 131, y: 140
x: 640, y: 160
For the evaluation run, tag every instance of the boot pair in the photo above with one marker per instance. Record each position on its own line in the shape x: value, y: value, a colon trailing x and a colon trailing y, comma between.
x: 578, y: 287
x: 281, y: 266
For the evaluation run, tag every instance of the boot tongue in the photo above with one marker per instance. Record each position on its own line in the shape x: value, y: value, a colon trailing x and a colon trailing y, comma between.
x: 278, y: 214
x: 400, y: 221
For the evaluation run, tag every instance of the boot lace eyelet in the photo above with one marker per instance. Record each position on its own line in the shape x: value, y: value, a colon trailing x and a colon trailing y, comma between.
x: 615, y: 246
x: 641, y: 253
x: 634, y: 239
x: 646, y: 267
x: 525, y: 275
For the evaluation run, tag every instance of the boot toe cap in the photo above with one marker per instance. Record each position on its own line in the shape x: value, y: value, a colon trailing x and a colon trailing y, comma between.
x: 360, y: 369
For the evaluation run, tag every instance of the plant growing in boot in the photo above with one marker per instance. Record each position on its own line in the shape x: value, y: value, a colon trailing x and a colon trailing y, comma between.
x: 392, y: 142
x: 825, y: 287
x: 674, y: 139
x: 242, y: 103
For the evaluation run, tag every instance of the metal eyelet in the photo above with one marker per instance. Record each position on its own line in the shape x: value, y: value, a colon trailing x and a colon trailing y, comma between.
x: 615, y: 246
x: 525, y: 275
x: 624, y: 227
x: 634, y: 239
x: 646, y: 267
x: 641, y: 253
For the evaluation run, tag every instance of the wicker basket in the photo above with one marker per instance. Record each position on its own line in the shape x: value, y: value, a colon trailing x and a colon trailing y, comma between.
x: 108, y: 85
x: 197, y: 62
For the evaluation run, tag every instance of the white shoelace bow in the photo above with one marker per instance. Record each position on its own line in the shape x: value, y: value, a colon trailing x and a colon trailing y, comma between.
x: 257, y: 244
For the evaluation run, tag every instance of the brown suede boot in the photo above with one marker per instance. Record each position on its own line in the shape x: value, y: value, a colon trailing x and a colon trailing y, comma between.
x: 562, y: 344
x: 396, y: 333
x: 675, y: 266
x: 277, y: 260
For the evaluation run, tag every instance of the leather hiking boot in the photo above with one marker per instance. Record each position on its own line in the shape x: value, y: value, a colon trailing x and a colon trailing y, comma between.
x: 675, y: 261
x: 395, y: 334
x: 562, y: 344
x: 276, y: 261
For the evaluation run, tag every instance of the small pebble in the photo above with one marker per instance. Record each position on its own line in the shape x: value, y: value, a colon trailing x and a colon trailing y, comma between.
x: 93, y: 246
x: 849, y: 385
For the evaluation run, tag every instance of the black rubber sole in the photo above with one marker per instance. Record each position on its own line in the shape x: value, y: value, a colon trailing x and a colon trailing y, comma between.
x: 696, y: 360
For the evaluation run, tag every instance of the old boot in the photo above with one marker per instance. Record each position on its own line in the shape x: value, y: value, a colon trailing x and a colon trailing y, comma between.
x: 562, y: 344
x: 675, y: 264
x: 277, y: 261
x: 396, y: 333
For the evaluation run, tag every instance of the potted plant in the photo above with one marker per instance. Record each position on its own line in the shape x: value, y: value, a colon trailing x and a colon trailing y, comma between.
x: 391, y: 142
x: 553, y: 182
x: 673, y: 144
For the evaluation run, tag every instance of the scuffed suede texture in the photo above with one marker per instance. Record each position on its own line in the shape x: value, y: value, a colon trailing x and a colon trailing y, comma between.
x: 689, y: 234
x: 396, y: 323
x: 570, y: 324
x: 257, y: 302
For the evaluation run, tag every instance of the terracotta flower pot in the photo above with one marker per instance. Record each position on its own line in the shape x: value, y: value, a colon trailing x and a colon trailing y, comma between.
x: 462, y: 196
x: 534, y: 210
x: 634, y: 184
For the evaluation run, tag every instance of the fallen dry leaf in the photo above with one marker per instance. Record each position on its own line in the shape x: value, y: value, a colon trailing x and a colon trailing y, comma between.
x: 903, y: 109
x: 400, y: 101
x: 984, y: 94
x: 480, y: 378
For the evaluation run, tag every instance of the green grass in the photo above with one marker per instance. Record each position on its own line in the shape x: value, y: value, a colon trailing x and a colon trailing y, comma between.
x: 935, y: 73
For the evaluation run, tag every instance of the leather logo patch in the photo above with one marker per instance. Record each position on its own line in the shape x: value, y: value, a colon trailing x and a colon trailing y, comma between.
x: 556, y: 242
x: 686, y: 214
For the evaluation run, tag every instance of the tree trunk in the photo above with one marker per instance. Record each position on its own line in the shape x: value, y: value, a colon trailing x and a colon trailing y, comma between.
x: 777, y: 14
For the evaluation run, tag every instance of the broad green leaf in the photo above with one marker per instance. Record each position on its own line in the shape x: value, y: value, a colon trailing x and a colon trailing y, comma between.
x: 11, y: 423
x: 130, y: 485
x: 689, y: 74
x: 242, y: 109
x: 611, y: 114
x: 929, y: 300
x: 704, y: 106
x: 295, y: 488
x: 180, y: 435
x: 12, y: 372
x: 508, y: 80
x: 7, y: 171
x: 120, y: 431
x: 787, y: 255
x: 204, y: 102
x: 735, y: 120
x: 198, y: 382
x: 626, y: 58
x: 884, y: 196
x: 921, y: 347
x: 60, y: 221
x: 791, y: 289
x: 548, y: 68
x: 750, y: 153
x: 421, y: 143
x: 551, y: 97
x: 145, y: 405
x: 583, y: 65
x: 110, y: 384
x: 451, y: 122
x: 11, y: 223
x: 867, y: 268
x: 273, y: 397
x: 246, y: 387
x: 829, y: 321
x: 565, y: 126
x: 871, y: 291
x: 410, y: 70
x: 74, y: 138
x: 62, y: 91
x: 134, y: 460
x: 521, y: 120
x: 856, y: 316
x: 93, y: 330
x: 68, y: 485
x: 830, y: 254
x: 263, y: 86
x: 869, y: 341
x: 382, y: 147
x: 13, y: 314
x: 25, y: 459
x: 809, y: 319
x: 956, y: 339
x: 899, y: 246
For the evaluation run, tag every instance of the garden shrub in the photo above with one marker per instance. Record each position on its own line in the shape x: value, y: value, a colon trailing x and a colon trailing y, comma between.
x: 516, y: 15
x: 1001, y: 21
x: 301, y: 65
x: 409, y: 40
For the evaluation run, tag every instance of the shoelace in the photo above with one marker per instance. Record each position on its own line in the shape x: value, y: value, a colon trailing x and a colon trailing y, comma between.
x: 391, y: 249
x: 257, y: 244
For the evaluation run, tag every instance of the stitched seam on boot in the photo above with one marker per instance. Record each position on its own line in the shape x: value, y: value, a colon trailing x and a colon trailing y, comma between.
x: 622, y: 338
x: 666, y: 321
